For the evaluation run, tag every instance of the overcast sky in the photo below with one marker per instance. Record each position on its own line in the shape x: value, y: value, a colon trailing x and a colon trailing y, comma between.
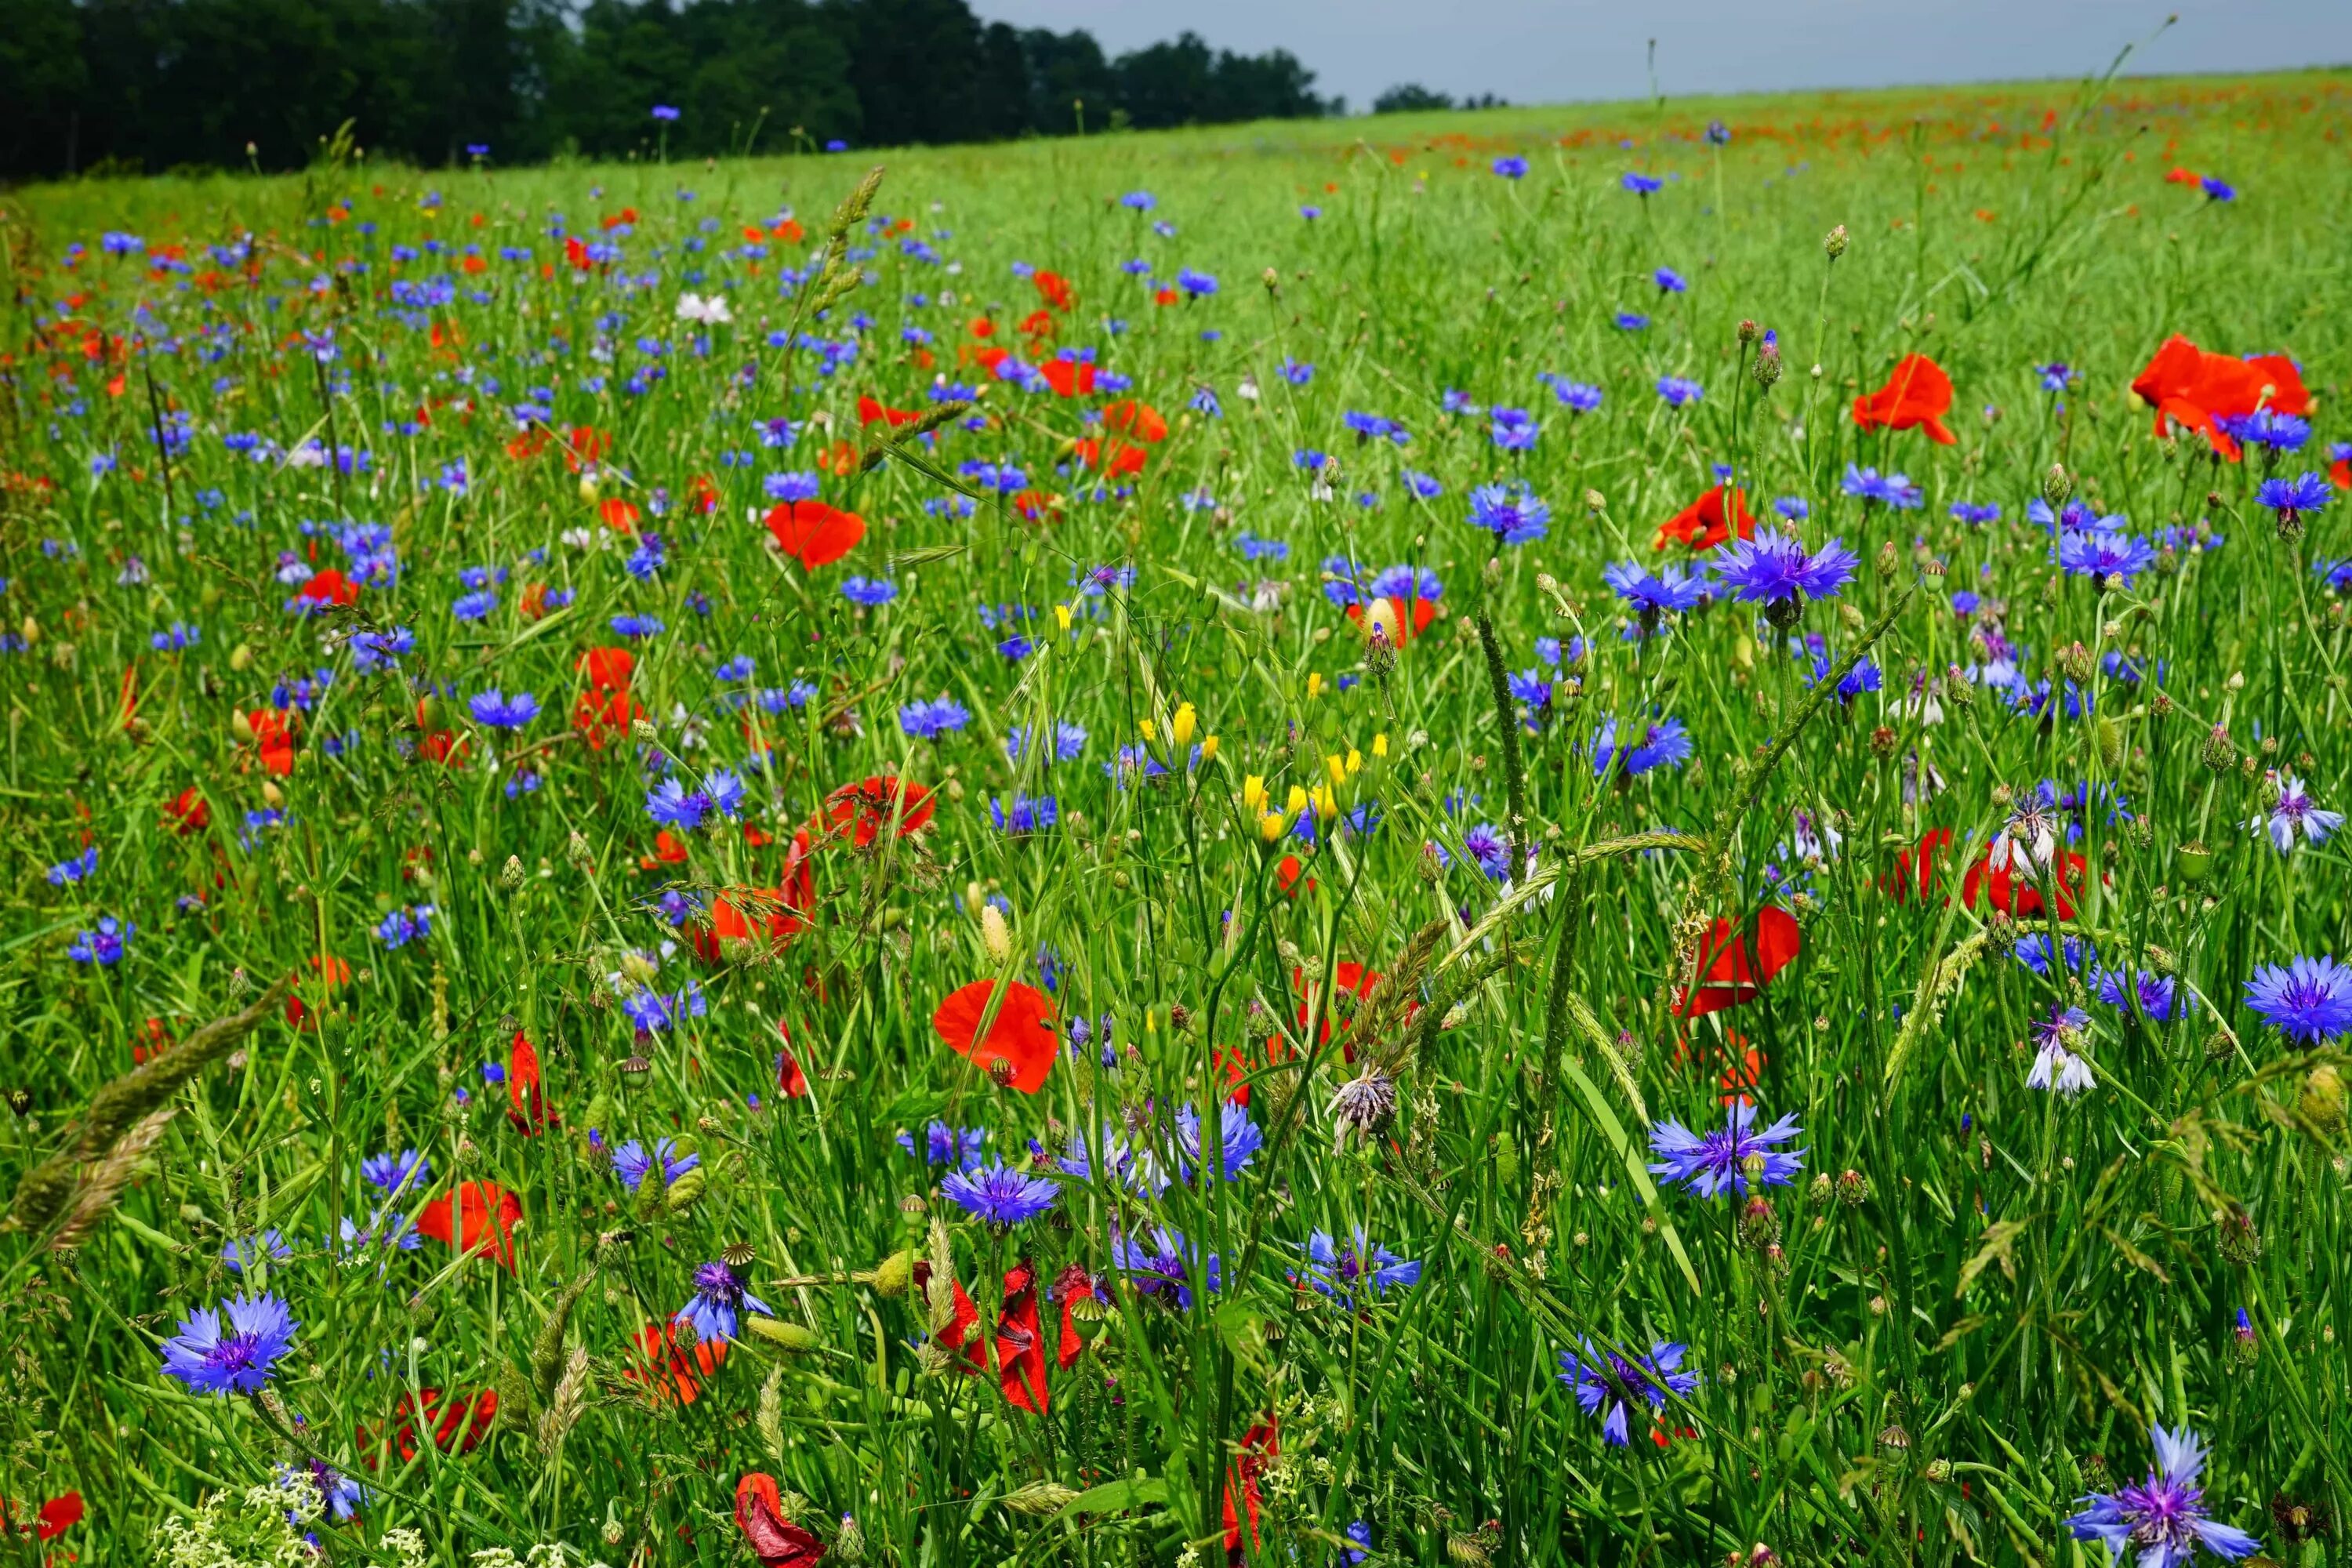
x: 1555, y: 51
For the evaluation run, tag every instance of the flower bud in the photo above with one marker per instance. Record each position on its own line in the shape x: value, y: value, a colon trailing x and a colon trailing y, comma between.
x: 1747, y: 332
x: 2077, y: 663
x: 2322, y: 1098
x: 687, y: 1191
x: 791, y: 1338
x: 2056, y: 486
x: 510, y: 875
x: 1768, y: 366
x: 1834, y: 242
x: 1208, y: 748
x: 995, y: 935
x: 1182, y: 727
x: 1889, y: 561
x: 2220, y: 755
x: 890, y: 1278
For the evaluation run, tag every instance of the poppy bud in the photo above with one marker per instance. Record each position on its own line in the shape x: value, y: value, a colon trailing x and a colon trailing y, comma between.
x: 240, y: 658
x: 2322, y: 1100
x: 1834, y: 242
x: 995, y: 935
x: 271, y: 795
x: 240, y: 726
x: 1272, y: 281
x: 2056, y: 486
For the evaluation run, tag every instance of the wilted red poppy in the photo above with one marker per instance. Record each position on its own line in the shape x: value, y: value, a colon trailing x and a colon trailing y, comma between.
x: 1020, y: 1347
x: 463, y: 1422
x: 1124, y: 457
x: 2196, y: 390
x: 959, y: 1335
x: 673, y: 1368
x: 1071, y: 378
x: 791, y: 1081
x: 329, y: 587
x: 1734, y: 967
x: 1260, y: 1445
x: 865, y: 808
x: 584, y: 447
x: 813, y: 533
x: 1707, y: 523
x: 619, y: 515
x: 1915, y: 877
x: 1054, y: 289
x: 1136, y: 418
x: 775, y: 1541
x: 871, y: 409
x: 188, y: 811
x: 1397, y: 619
x: 526, y: 1105
x: 1072, y: 1286
x: 1037, y: 324
x: 1917, y: 395
x: 1022, y: 1036
x: 479, y: 1217
x: 2019, y: 896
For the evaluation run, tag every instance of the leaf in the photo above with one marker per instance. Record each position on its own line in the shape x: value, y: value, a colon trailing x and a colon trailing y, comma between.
x: 1627, y: 1151
x: 926, y: 555
x: 1961, y: 1330
x: 2134, y: 1256
x: 1113, y: 1497
x: 1997, y: 1242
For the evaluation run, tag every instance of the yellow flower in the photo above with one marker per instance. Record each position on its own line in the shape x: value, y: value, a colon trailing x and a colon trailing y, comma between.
x: 1381, y: 745
x: 1327, y: 802
x: 1337, y: 766
x: 1209, y: 749
x: 1062, y: 614
x: 1271, y: 827
x: 1253, y: 795
x: 1181, y: 728
x: 1147, y: 729
x: 1314, y: 686
x: 1296, y: 803
x: 1355, y: 762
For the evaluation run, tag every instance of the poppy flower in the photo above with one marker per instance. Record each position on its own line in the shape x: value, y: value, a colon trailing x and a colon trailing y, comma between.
x: 2340, y: 476
x: 871, y: 409
x: 603, y: 716
x: 58, y: 1515
x: 462, y: 1422
x: 702, y: 494
x: 1070, y: 378
x: 1072, y: 1286
x: 2196, y: 390
x: 1914, y: 876
x: 1139, y: 419
x: 747, y: 914
x: 1020, y: 1349
x: 527, y: 446
x: 1035, y: 504
x: 2177, y: 175
x: 668, y: 850
x: 865, y: 808
x: 1021, y: 1036
x: 1288, y: 875
x: 1917, y: 395
x: 1260, y: 1445
x: 1124, y: 458
x: 959, y: 1334
x: 479, y: 1217
x: 584, y: 447
x: 791, y: 1081
x: 1037, y: 324
x: 671, y: 1367
x: 1735, y: 968
x: 1351, y: 980
x: 1707, y: 521
x: 327, y: 588
x: 813, y: 533
x: 980, y: 327
x: 989, y: 358
x: 775, y: 1541
x: 1397, y: 619
x: 2019, y: 896
x: 575, y: 251
x: 620, y: 516
x: 1054, y: 289
x: 188, y: 811
x: 526, y: 1106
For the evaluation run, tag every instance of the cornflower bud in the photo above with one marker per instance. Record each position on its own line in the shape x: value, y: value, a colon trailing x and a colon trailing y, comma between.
x: 1747, y: 332
x: 2219, y: 754
x: 2056, y: 486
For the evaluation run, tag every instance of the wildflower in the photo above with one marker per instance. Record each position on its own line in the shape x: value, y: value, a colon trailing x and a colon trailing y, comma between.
x: 1665, y: 744
x: 243, y: 1253
x: 1669, y: 281
x: 103, y: 946
x: 813, y: 533
x: 632, y: 1163
x: 2218, y: 189
x: 1605, y: 1378
x: 395, y: 1173
x: 2159, y: 996
x: 2194, y: 389
x: 1679, y: 392
x: 1579, y: 397
x: 2294, y: 809
x: 1026, y: 815
x: 1513, y: 429
x: 1486, y: 845
x: 718, y: 1297
x: 1640, y: 184
x: 1021, y: 1038
x: 2101, y: 555
x: 65, y: 873
x: 1239, y: 1140
x: 712, y: 311
x: 1868, y: 486
x: 2029, y: 838
x: 1916, y: 396
x: 1342, y: 1273
x: 1707, y: 521
x: 946, y: 1145
x: 2163, y: 1516
x: 1775, y: 571
x: 1710, y: 1162
x: 672, y: 805
x: 1512, y: 512
x: 400, y: 927
x: 1000, y: 1195
x: 494, y: 709
x: 259, y: 1331
x: 929, y: 720
x: 1162, y: 1264
x: 2309, y: 999
x: 1511, y: 167
x: 2055, y: 1065
x: 2291, y: 498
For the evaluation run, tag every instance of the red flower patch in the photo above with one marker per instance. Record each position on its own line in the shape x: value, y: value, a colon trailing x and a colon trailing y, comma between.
x: 1707, y: 521
x: 863, y: 809
x: 813, y: 533
x: 1736, y: 967
x: 1021, y: 1036
x: 1917, y: 396
x: 479, y: 1217
x: 774, y: 1540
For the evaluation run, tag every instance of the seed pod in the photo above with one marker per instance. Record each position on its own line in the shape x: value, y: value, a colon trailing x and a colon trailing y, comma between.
x: 686, y: 1191
x: 791, y: 1338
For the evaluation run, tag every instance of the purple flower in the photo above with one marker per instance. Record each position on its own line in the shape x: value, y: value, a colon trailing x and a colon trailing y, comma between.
x: 665, y: 113
x: 2159, y: 996
x: 1581, y: 396
x: 1511, y: 167
x: 672, y: 805
x: 2309, y: 1000
x: 243, y: 1253
x: 719, y: 1296
x: 632, y: 1163
x: 1640, y: 184
x: 2220, y: 190
x: 393, y: 1174
x: 1680, y: 391
x: 2099, y: 554
x: 2291, y: 498
x: 1868, y: 485
x: 1707, y: 1164
x: 929, y: 720
x: 1024, y: 815
x: 868, y: 591
x: 1663, y: 744
x: 1513, y: 512
x: 1162, y: 1263
x: 1668, y: 280
x: 2055, y: 1065
x: 1240, y: 1137
x: 1655, y: 594
x: 1773, y: 570
x: 2163, y: 1516
x: 209, y: 1360
x: 1486, y: 845
x: 946, y: 1145
x: 1347, y: 1274
x: 2294, y: 809
x: 1000, y: 1195
x: 496, y: 710
x: 103, y: 946
x: 1604, y: 1378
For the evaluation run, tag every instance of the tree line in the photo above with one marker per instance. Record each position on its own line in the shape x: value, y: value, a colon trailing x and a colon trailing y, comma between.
x: 151, y: 85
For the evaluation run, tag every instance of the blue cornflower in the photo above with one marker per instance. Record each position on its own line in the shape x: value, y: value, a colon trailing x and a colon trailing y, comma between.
x: 1581, y: 396
x: 2159, y: 996
x: 718, y: 1297
x: 1512, y: 512
x: 210, y: 1361
x: 1640, y: 184
x: 496, y: 710
x: 1239, y: 1139
x: 1513, y: 429
x: 1679, y: 392
x: 929, y: 720
x: 1867, y: 485
x: 1663, y: 744
x: 2164, y: 1516
x: 176, y: 637
x: 1142, y: 201
x: 1711, y: 1162
x: 653, y: 1013
x: 723, y: 788
x: 1423, y: 486
x: 632, y: 1163
x: 868, y: 591
x: 65, y: 872
x: 1196, y: 284
x: 2309, y: 999
x: 1024, y: 815
x: 1511, y: 167
x: 1486, y: 845
x: 2219, y: 189
x: 2032, y: 950
x: 664, y: 112
x: 2291, y: 498
x: 1631, y: 321
x: 391, y: 1174
x: 403, y: 926
x: 1669, y: 281
x: 2099, y: 554
x: 647, y: 559
x: 1605, y: 1378
x: 636, y: 627
x: 1655, y: 594
x: 1972, y: 513
x: 471, y: 607
x: 246, y: 1251
x: 2057, y: 1066
x: 1529, y: 686
x: 1773, y: 570
x: 1162, y: 1264
x: 1719, y: 134
x: 2055, y: 375
x: 1365, y: 1269
x: 103, y: 946
x: 946, y: 1145
x: 1000, y: 1195
x: 672, y: 805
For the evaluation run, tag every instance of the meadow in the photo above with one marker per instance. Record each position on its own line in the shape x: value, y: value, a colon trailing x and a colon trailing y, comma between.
x: 1599, y: 836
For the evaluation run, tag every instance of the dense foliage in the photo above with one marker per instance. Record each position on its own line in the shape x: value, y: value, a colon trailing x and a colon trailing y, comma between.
x: 1573, y: 838
x: 125, y: 85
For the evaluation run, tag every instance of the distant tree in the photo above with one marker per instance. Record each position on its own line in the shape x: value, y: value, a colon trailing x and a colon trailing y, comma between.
x: 1064, y: 70
x: 1166, y: 84
x: 43, y: 82
x: 1409, y: 95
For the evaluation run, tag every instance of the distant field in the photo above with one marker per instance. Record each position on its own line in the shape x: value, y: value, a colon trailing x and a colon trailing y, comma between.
x: 1595, y: 835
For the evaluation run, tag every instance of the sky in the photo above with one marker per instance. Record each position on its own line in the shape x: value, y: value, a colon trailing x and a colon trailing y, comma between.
x: 1559, y: 51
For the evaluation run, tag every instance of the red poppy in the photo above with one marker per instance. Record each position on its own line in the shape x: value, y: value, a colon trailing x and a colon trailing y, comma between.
x: 2177, y: 175
x: 585, y: 445
x: 619, y: 515
x: 1397, y: 619
x: 1288, y: 875
x: 1136, y: 418
x: 273, y: 739
x: 775, y: 1541
x: 813, y: 533
x: 1903, y: 885
x: 1917, y: 395
x: 669, y: 849
x: 865, y: 808
x: 871, y: 409
x: 670, y: 1366
x: 1035, y: 504
x: 746, y: 914
x: 527, y: 446
x: 607, y: 669
x: 702, y: 494
x: 2195, y: 390
x: 1020, y: 1349
x: 959, y: 1334
x: 188, y: 811
x: 462, y: 1422
x: 1072, y: 1286
x: 2341, y: 474
x: 1071, y: 378
x: 1706, y: 523
x: 1260, y: 1445
x: 989, y: 358
x: 1038, y: 324
x: 479, y: 1217
x: 576, y: 252
x: 2020, y: 896
x: 1735, y: 968
x: 980, y: 327
x: 603, y: 717
x: 1054, y: 289
x: 791, y: 1081
x: 1124, y: 458
x: 1353, y: 980
x: 1021, y: 1036
x: 329, y: 587
x: 526, y: 1106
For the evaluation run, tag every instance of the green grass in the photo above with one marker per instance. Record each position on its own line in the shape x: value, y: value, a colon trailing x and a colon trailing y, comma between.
x: 1965, y: 1313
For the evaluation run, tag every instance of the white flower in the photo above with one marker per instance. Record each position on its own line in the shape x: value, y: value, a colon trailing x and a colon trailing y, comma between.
x: 2293, y: 809
x: 2030, y: 837
x: 712, y: 312
x: 2057, y: 1067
